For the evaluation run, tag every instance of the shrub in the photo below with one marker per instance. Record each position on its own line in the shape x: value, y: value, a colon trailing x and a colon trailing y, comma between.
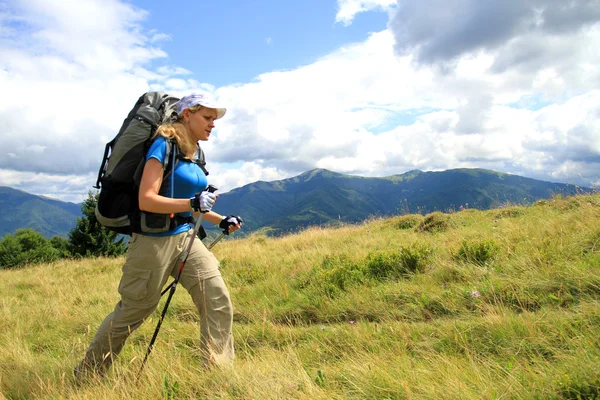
x: 567, y: 204
x: 511, y: 212
x: 415, y: 258
x: 572, y: 386
x: 593, y: 243
x: 408, y: 221
x: 434, y: 222
x: 26, y: 246
x: 62, y: 245
x: 337, y: 273
x: 480, y: 252
x: 408, y: 260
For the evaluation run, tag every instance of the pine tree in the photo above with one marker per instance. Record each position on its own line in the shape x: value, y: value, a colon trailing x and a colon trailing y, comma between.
x: 90, y: 238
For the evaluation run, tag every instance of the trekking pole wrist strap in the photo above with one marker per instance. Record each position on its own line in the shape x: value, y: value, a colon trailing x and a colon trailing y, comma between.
x: 195, y: 203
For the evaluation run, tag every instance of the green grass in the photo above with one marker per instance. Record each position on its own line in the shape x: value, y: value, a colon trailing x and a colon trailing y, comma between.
x: 493, y: 304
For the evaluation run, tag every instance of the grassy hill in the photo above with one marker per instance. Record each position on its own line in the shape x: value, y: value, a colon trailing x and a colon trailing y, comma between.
x: 501, y: 303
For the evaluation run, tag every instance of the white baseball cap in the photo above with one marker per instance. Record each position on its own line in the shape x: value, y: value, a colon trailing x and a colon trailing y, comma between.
x: 202, y: 99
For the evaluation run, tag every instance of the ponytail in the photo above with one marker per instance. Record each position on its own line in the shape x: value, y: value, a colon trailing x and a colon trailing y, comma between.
x: 178, y: 131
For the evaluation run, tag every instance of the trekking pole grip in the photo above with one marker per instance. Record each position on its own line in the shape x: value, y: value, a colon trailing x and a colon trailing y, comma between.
x: 202, y: 202
x: 209, y: 189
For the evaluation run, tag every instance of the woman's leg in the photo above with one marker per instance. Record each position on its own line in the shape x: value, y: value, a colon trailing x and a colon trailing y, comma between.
x: 111, y: 336
x: 148, y: 265
x: 202, y: 279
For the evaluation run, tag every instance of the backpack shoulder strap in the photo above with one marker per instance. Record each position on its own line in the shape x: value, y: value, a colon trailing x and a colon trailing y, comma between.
x: 170, y: 163
x: 199, y: 161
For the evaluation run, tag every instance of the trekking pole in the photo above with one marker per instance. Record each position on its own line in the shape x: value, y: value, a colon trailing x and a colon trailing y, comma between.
x: 173, y: 286
x: 221, y: 236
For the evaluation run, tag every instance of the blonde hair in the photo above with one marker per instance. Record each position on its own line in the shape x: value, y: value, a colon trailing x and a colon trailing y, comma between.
x: 178, y: 130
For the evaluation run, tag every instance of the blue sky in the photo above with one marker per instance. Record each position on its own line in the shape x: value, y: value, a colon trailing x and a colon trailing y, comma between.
x: 362, y: 87
x: 247, y: 38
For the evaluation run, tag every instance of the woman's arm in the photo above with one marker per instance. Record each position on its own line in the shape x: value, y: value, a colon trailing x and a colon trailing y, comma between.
x: 150, y: 200
x: 213, y: 217
x: 216, y: 219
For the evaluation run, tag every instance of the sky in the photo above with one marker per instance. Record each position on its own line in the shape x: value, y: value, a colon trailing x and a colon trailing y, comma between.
x: 369, y: 88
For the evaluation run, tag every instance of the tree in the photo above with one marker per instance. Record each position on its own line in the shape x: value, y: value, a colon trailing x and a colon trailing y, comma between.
x: 62, y: 245
x: 90, y: 238
x: 26, y: 246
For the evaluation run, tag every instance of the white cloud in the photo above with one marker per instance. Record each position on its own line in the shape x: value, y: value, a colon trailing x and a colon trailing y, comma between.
x: 69, y: 73
x: 171, y: 70
x: 330, y: 114
x: 70, y: 187
x: 348, y: 9
x: 519, y: 105
x: 159, y: 37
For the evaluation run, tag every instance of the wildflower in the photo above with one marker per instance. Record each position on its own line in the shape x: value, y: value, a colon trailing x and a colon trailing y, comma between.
x: 475, y: 294
x: 495, y: 220
x: 461, y: 208
x: 351, y: 322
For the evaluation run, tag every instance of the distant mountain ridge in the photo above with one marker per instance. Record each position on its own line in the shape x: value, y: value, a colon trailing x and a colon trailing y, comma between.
x: 317, y: 197
x: 321, y: 196
x: 48, y: 216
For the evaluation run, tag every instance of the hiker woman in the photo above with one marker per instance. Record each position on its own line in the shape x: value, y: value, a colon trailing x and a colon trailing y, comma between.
x: 152, y: 257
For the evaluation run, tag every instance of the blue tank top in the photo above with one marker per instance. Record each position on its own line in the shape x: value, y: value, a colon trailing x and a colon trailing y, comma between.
x: 189, y: 179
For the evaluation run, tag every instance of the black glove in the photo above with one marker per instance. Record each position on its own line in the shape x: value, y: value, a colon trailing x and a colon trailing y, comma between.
x: 228, y: 221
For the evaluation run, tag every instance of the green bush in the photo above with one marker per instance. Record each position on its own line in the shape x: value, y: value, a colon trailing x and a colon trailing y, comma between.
x: 62, y: 245
x: 412, y: 259
x: 408, y: 221
x: 478, y: 252
x: 592, y: 245
x: 334, y: 275
x: 579, y: 387
x: 434, y: 222
x: 26, y: 246
x: 415, y: 258
x: 337, y: 274
x: 511, y: 212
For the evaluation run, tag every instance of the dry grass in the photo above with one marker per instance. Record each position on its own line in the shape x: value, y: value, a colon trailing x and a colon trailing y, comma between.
x: 506, y: 307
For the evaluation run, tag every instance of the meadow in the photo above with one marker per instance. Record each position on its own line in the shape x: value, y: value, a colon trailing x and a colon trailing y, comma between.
x: 469, y: 304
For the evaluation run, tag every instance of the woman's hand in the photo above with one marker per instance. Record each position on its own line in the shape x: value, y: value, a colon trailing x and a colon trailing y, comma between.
x: 231, y: 223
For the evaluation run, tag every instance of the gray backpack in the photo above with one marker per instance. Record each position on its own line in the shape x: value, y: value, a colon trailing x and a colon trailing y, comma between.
x: 123, y: 162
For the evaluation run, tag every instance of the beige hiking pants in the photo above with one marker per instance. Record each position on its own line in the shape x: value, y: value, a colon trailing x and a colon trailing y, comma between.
x: 149, y: 263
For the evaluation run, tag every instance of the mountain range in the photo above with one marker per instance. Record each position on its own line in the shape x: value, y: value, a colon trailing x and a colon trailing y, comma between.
x: 50, y: 217
x: 318, y: 197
